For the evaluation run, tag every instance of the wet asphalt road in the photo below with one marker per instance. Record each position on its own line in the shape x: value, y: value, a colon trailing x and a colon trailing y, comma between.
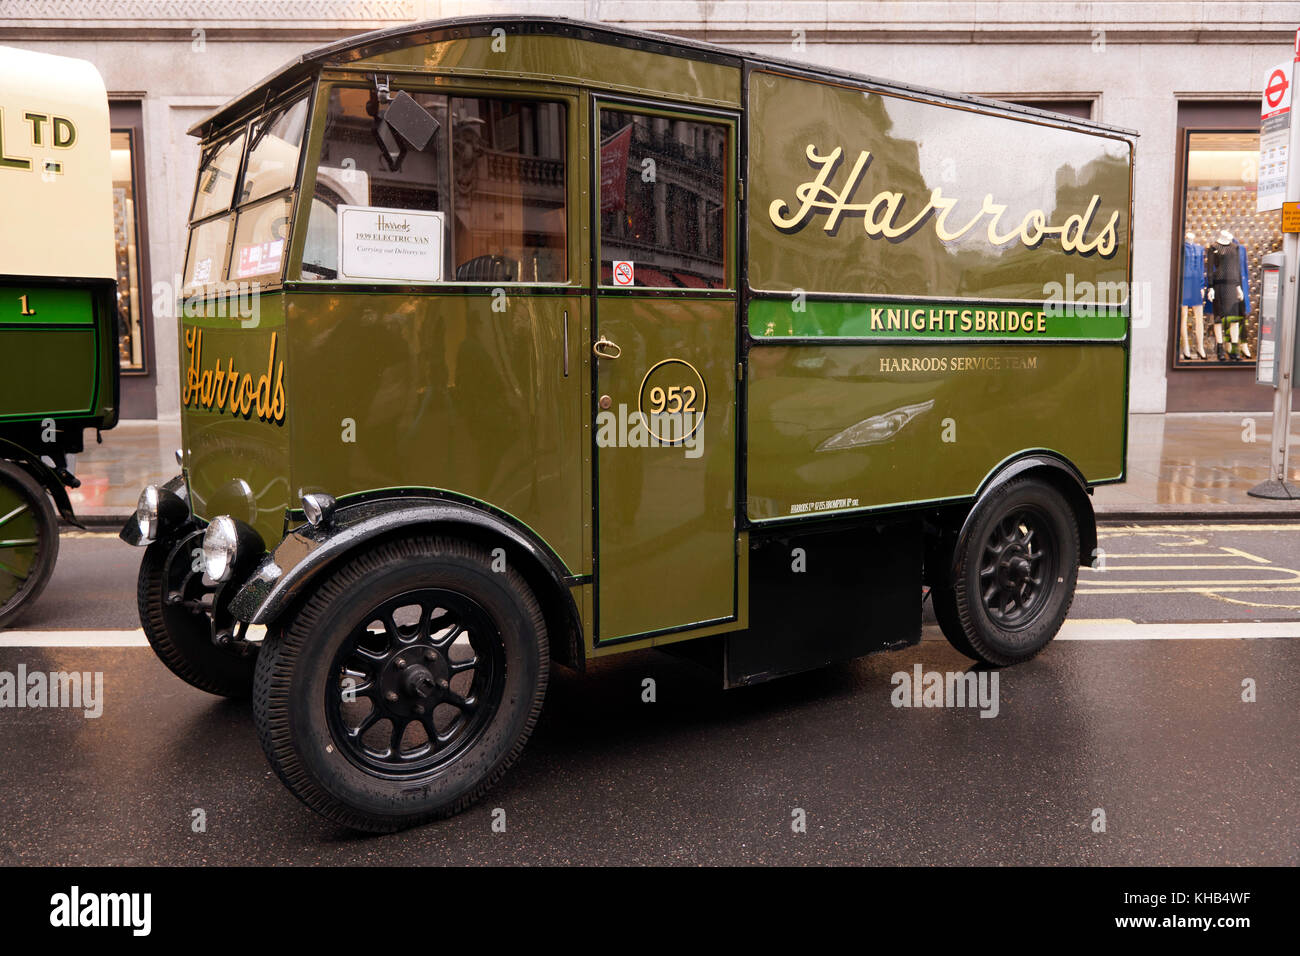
x: 1152, y: 732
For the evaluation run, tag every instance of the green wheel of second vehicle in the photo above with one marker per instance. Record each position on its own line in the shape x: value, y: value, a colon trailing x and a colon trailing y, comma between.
x: 29, y: 541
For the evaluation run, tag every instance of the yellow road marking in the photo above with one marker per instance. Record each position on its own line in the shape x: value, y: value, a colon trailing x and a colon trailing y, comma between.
x: 1175, y: 588
x: 1249, y: 557
x: 1123, y: 629
x: 1113, y: 577
x: 1166, y: 554
x: 1180, y: 567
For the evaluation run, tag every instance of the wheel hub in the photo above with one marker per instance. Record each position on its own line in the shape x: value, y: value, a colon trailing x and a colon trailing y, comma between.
x: 441, y: 668
x: 1016, y: 569
x: 418, y: 682
x: 414, y: 680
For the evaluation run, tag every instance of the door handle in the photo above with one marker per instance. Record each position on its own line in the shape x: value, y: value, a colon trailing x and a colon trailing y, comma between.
x: 604, y: 348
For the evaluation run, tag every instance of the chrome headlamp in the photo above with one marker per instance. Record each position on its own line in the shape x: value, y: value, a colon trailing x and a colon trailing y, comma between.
x: 318, y: 508
x: 159, y: 511
x: 220, y: 543
x: 229, y: 546
x: 146, y: 513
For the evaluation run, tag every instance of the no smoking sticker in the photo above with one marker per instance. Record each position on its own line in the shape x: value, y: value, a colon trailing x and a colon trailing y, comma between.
x: 623, y: 272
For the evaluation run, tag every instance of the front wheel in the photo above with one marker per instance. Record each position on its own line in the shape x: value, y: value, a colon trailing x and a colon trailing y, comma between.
x: 405, y: 686
x: 173, y: 602
x: 29, y: 540
x: 1015, y: 573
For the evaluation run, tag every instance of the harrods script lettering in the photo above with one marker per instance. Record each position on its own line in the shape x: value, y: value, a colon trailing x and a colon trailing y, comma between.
x: 881, y: 213
x: 225, y: 388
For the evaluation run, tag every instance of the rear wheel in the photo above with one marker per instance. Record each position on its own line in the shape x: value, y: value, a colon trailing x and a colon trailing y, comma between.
x: 29, y: 540
x: 405, y: 686
x: 173, y: 601
x: 944, y: 603
x: 1014, y: 574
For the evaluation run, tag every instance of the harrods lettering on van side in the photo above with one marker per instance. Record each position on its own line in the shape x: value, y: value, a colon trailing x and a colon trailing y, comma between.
x: 229, y: 389
x: 881, y: 213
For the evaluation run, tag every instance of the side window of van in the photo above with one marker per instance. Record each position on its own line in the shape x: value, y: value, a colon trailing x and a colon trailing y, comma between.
x: 463, y: 189
x: 663, y: 196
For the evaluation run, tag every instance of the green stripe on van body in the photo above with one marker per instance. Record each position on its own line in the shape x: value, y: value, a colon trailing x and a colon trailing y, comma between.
x: 867, y: 320
x: 46, y: 305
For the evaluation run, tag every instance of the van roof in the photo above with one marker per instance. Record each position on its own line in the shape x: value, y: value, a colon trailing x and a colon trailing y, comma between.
x: 365, y: 45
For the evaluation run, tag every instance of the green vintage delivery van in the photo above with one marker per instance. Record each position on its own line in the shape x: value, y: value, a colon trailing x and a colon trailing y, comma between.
x: 58, y: 303
x: 508, y: 343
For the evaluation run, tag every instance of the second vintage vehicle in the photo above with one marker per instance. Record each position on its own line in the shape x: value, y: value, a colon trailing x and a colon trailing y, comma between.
x: 58, y: 303
x: 512, y: 342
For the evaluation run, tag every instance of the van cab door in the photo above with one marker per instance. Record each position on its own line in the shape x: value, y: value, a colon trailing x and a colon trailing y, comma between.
x: 665, y: 369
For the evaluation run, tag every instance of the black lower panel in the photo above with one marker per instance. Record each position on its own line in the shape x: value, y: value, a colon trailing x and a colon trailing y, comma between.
x: 826, y: 596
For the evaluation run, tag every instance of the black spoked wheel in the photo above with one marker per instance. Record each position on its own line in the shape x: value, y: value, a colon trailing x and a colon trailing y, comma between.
x: 1015, y: 573
x: 29, y: 541
x: 416, y: 685
x: 173, y: 602
x: 1018, y: 567
x: 404, y: 686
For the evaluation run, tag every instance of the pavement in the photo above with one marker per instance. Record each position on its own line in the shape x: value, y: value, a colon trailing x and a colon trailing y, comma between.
x: 1179, y: 465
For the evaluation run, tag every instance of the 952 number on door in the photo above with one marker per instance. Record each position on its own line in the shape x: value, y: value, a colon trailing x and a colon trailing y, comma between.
x: 673, y: 400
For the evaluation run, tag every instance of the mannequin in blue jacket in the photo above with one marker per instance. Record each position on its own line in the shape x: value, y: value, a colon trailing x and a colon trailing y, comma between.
x: 1193, y: 296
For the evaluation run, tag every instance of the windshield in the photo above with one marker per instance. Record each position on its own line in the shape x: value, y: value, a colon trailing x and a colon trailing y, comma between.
x: 273, y: 152
x: 241, y: 235
x: 217, y: 174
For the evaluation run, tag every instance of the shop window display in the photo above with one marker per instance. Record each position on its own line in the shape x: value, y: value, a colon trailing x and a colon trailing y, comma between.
x: 1224, y: 242
x: 126, y: 233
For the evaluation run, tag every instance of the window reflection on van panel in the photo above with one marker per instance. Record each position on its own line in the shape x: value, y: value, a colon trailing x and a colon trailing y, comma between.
x: 662, y: 193
x: 495, y: 169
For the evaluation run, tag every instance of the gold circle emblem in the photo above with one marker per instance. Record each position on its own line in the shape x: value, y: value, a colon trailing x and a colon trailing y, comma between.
x: 685, y: 400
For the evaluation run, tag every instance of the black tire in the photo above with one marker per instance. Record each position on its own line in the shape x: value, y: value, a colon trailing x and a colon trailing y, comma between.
x: 945, y: 612
x: 29, y: 541
x: 1015, y: 574
x: 938, y: 563
x: 179, y: 632
x: 349, y: 626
